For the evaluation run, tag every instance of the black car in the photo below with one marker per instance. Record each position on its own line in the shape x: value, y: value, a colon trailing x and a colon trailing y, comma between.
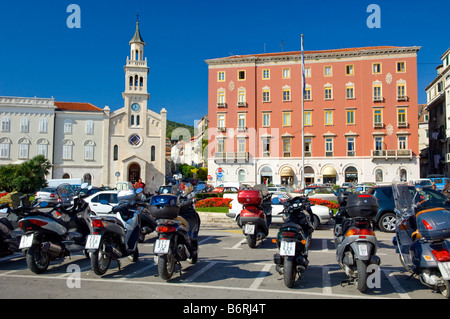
x: 385, y: 218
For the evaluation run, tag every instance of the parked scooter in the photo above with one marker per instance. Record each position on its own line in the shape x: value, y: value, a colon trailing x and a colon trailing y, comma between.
x: 48, y: 238
x: 10, y: 232
x: 420, y: 238
x: 116, y: 237
x: 256, y: 214
x: 178, y: 228
x: 354, y: 238
x: 293, y: 240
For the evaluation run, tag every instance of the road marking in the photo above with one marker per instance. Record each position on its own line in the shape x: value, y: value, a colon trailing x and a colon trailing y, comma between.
x: 258, y: 281
x: 398, y: 288
x: 203, y: 270
x: 203, y: 286
x: 237, y: 246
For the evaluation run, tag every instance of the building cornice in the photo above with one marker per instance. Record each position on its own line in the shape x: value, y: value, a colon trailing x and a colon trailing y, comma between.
x: 314, y: 55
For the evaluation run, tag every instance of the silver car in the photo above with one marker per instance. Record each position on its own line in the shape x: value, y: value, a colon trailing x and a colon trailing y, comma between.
x: 47, y: 194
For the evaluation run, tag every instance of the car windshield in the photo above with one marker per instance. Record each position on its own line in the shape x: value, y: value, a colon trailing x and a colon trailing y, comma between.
x: 48, y: 190
x: 423, y: 183
x: 432, y: 197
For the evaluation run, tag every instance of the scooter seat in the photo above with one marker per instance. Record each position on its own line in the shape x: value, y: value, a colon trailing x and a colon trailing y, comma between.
x: 293, y: 225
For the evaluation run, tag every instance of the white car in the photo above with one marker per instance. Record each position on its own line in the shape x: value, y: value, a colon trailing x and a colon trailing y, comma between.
x: 321, y: 214
x: 99, y: 208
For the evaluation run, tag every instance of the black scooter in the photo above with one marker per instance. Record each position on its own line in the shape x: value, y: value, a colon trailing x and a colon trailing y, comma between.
x: 178, y: 227
x: 48, y: 238
x: 293, y: 240
x: 10, y: 232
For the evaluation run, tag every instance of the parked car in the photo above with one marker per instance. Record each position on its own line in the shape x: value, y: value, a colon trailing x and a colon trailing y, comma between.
x: 321, y: 214
x: 424, y: 182
x: 99, y: 208
x: 226, y: 189
x: 279, y: 189
x: 321, y: 192
x: 439, y: 182
x: 47, y: 194
x: 386, y: 219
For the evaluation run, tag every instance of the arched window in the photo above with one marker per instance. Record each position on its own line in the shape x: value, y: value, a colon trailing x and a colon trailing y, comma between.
x: 131, y: 81
x: 153, y: 153
x: 116, y: 153
x: 141, y: 82
x: 378, y: 175
x: 136, y: 81
x: 132, y: 120
x: 138, y: 120
x: 87, y: 178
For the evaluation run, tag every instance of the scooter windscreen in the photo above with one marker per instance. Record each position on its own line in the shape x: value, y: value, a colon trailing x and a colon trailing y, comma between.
x: 66, y: 194
x: 403, y: 198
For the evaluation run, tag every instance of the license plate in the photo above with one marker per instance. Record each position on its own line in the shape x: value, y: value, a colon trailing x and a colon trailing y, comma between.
x: 445, y: 270
x: 26, y: 241
x: 287, y: 248
x: 93, y: 241
x: 363, y: 250
x: 249, y: 229
x: 161, y: 246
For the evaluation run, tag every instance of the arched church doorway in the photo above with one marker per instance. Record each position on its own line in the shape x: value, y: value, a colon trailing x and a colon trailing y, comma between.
x: 134, y: 173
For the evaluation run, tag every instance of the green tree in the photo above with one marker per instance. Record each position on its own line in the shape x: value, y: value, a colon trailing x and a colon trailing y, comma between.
x: 26, y: 177
x: 202, y: 173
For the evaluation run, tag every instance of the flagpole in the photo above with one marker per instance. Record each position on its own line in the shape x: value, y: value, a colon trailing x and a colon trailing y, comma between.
x: 302, y: 185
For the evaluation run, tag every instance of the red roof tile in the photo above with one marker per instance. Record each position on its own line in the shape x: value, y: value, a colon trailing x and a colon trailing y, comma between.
x: 75, y: 106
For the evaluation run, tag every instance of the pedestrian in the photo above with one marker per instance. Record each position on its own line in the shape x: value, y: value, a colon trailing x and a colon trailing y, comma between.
x: 446, y: 190
x: 140, y: 184
x: 433, y: 185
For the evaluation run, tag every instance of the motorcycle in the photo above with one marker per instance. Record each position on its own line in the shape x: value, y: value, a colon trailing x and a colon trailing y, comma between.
x: 354, y: 238
x: 115, y: 237
x: 47, y: 238
x: 178, y: 228
x: 10, y: 232
x: 420, y: 238
x: 293, y: 240
x: 256, y: 214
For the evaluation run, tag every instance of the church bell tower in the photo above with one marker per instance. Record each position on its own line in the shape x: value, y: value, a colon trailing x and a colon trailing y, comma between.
x: 136, y: 76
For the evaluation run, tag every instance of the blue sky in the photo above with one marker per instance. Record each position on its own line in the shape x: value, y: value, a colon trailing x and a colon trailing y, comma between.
x: 40, y: 56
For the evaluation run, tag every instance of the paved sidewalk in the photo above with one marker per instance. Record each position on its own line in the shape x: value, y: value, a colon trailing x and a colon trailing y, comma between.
x: 219, y: 220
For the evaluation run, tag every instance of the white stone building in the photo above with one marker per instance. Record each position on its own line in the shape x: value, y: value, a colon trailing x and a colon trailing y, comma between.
x: 84, y: 141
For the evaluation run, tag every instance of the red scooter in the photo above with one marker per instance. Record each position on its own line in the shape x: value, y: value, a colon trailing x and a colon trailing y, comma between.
x: 256, y: 214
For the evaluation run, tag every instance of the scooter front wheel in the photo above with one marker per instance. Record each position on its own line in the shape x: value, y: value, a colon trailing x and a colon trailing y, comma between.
x: 100, y: 259
x: 37, y: 260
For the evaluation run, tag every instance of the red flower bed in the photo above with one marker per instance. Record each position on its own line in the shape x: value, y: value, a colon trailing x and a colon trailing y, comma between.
x: 3, y: 194
x: 213, y: 202
x: 324, y: 202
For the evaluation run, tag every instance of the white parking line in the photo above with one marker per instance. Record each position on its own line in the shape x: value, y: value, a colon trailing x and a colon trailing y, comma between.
x: 258, y: 281
x: 237, y: 246
x: 398, y: 288
x: 204, y: 269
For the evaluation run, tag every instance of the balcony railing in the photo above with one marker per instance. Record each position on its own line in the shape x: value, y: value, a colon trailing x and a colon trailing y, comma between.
x: 231, y: 157
x: 395, y: 154
x: 402, y: 98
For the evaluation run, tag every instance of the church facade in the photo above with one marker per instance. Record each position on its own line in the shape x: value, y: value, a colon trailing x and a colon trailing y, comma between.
x: 83, y: 141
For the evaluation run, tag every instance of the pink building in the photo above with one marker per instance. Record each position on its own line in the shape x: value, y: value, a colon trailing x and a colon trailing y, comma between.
x: 360, y: 119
